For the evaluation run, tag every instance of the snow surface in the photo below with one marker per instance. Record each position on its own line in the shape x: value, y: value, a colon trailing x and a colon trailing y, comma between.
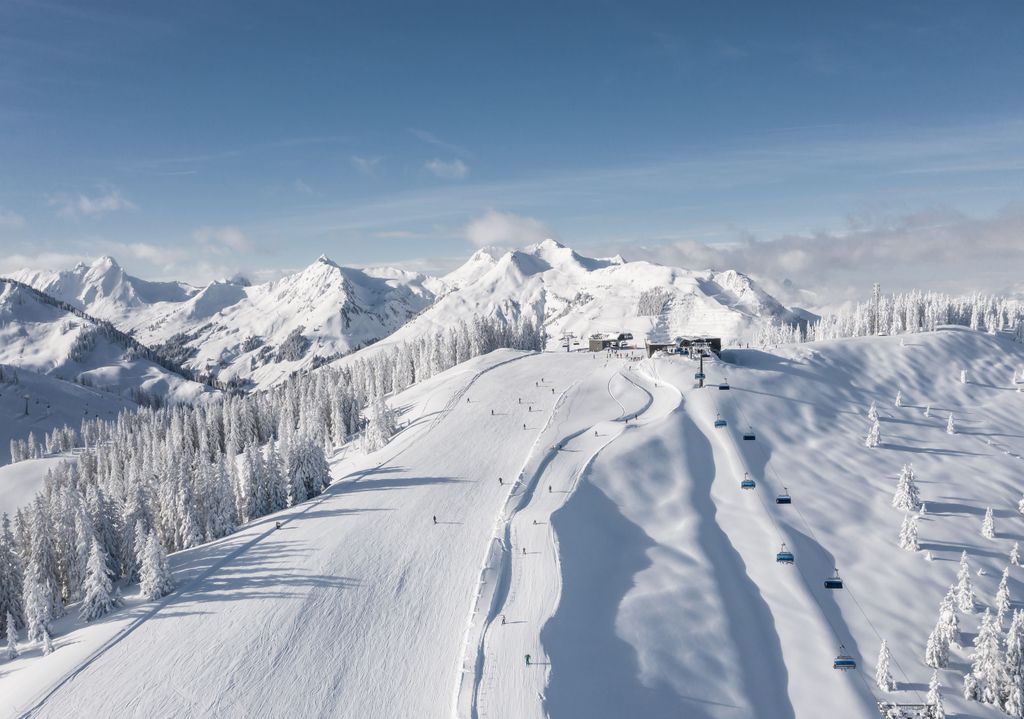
x: 648, y: 586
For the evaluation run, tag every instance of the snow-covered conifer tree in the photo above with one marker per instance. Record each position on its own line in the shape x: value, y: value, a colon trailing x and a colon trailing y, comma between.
x: 988, y: 525
x: 47, y: 642
x: 950, y: 425
x: 874, y: 435
x: 873, y: 412
x: 1020, y: 506
x: 899, y: 399
x: 965, y: 601
x: 883, y: 677
x: 1013, y: 668
x: 156, y: 579
x: 98, y: 596
x: 986, y: 678
x: 1003, y: 597
x: 927, y: 410
x: 1015, y: 554
x: 12, y: 637
x: 906, y: 497
x: 908, y: 533
x: 38, y: 603
x: 11, y: 579
x: 935, y: 697
x: 963, y: 376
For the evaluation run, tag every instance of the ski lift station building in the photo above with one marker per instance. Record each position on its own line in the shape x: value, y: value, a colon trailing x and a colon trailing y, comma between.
x: 609, y: 340
x: 682, y: 345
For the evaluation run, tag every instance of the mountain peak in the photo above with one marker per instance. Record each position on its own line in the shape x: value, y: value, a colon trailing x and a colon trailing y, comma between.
x: 105, y: 262
x: 325, y: 260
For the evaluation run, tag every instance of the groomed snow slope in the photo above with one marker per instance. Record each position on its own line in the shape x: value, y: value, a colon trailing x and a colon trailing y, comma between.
x: 648, y: 585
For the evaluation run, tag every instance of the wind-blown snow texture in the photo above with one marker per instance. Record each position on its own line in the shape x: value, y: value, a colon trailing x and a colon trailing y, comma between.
x: 648, y: 585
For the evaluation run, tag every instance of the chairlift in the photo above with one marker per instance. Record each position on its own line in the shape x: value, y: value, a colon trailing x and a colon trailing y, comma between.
x: 747, y: 482
x: 719, y: 422
x: 843, y: 661
x: 784, y: 498
x: 724, y: 384
x: 834, y: 582
x: 785, y: 556
x: 749, y: 434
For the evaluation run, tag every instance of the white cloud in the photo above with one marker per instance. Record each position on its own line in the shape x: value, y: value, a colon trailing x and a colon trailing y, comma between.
x: 85, y: 206
x: 11, y: 220
x: 432, y: 139
x: 41, y: 261
x: 938, y: 249
x: 454, y: 170
x: 366, y: 165
x: 504, y: 229
x: 223, y: 239
x: 302, y: 187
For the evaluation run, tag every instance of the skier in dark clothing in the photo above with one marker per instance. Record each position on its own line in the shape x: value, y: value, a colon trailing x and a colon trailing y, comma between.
x: 435, y: 519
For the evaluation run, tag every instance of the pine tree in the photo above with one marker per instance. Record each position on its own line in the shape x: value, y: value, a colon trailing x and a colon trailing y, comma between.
x: 98, y: 592
x: 908, y: 534
x: 945, y: 634
x: 873, y: 412
x: 1015, y: 554
x: 988, y: 525
x: 38, y: 604
x: 12, y: 637
x: 928, y: 410
x: 156, y: 575
x: 874, y: 435
x: 906, y: 497
x: 934, y: 697
x: 1003, y: 597
x: 964, y: 588
x: 47, y: 643
x: 950, y: 425
x: 987, y: 677
x: 1013, y: 690
x: 11, y: 579
x: 963, y: 376
x: 883, y: 677
x: 899, y: 399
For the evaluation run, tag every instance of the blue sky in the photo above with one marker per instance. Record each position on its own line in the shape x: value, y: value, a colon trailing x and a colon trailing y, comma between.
x: 192, y: 140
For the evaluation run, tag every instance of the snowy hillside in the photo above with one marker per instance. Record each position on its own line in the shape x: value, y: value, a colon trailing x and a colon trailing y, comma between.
x: 551, y: 284
x: 584, y: 510
x: 38, y: 334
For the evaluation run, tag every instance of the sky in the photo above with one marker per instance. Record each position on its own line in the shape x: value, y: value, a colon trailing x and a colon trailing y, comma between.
x: 830, y: 144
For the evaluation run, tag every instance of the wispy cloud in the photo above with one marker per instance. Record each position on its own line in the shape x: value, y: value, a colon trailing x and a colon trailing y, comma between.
x: 223, y: 239
x: 11, y: 220
x: 366, y: 165
x: 299, y: 186
x: 96, y: 206
x: 504, y: 229
x: 432, y: 139
x: 454, y: 170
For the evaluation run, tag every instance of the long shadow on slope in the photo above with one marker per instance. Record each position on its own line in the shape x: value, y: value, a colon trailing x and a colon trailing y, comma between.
x: 372, y: 485
x: 594, y: 671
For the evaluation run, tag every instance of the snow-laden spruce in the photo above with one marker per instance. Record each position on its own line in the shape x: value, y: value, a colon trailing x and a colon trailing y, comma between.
x: 874, y: 437
x: 950, y: 425
x: 906, y: 497
x: 934, y: 697
x: 908, y: 534
x: 1003, y: 597
x: 155, y: 574
x: 965, y: 600
x: 1015, y: 554
x: 985, y: 682
x: 873, y: 412
x: 988, y: 524
x: 945, y: 634
x: 99, y: 594
x: 898, y: 402
x: 1012, y: 693
x: 12, y: 637
x: 883, y: 676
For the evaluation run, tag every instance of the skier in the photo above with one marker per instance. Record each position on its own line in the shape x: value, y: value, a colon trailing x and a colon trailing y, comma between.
x: 552, y: 390
x: 492, y: 412
x: 527, y: 660
x: 549, y: 489
x: 277, y: 525
x: 435, y: 519
x: 520, y: 400
x: 535, y: 521
x: 501, y: 481
x: 524, y: 550
x: 524, y: 425
x: 595, y: 432
x: 502, y: 618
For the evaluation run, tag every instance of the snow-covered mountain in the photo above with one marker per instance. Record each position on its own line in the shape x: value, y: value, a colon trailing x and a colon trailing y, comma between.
x: 252, y: 335
x: 256, y: 335
x: 43, y: 335
x: 551, y: 284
